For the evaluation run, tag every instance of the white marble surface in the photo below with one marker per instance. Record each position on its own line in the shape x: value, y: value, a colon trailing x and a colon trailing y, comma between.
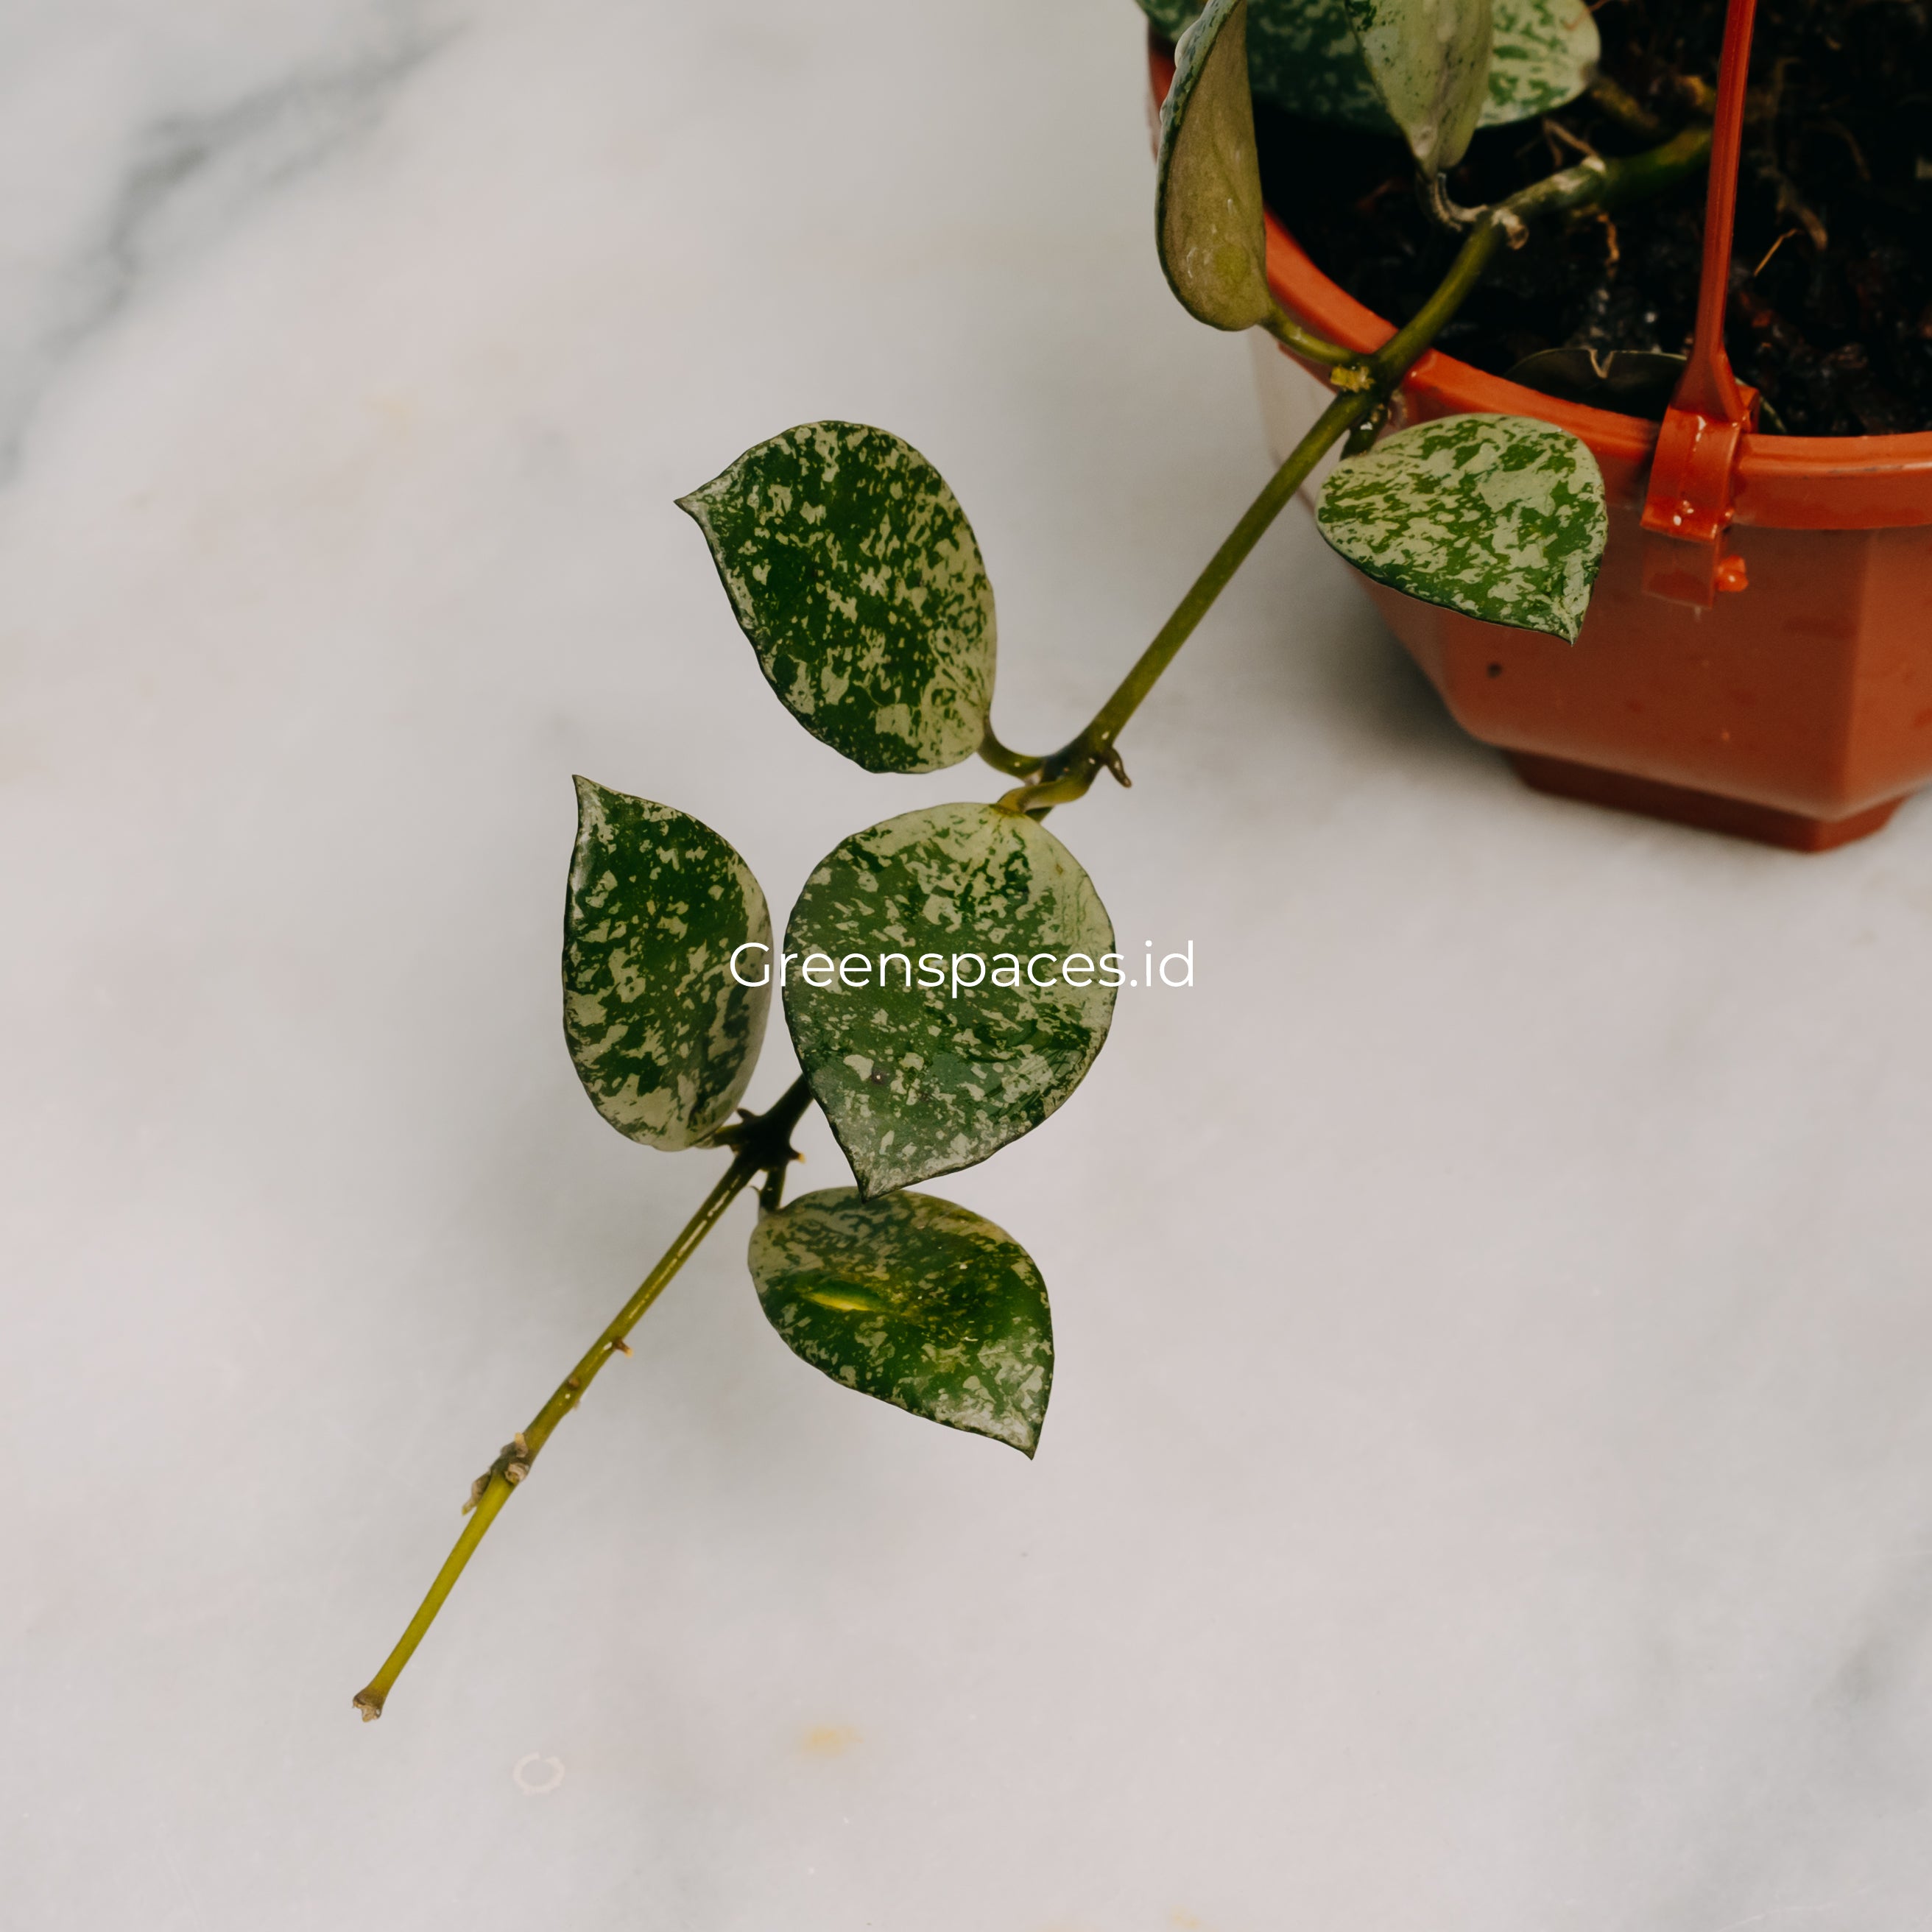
x: 1487, y: 1484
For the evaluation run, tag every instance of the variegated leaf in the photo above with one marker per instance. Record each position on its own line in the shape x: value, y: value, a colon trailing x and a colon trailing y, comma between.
x: 663, y: 1035
x: 1302, y: 55
x: 1500, y: 518
x: 923, y: 1304
x: 1429, y: 60
x: 920, y: 1079
x: 1207, y: 196
x: 1542, y: 54
x: 854, y: 571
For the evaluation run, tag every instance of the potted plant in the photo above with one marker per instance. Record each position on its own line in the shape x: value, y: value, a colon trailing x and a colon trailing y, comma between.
x: 948, y: 976
x: 1796, y: 708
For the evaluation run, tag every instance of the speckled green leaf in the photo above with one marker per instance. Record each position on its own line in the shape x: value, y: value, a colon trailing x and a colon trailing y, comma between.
x: 923, y: 1304
x: 854, y: 571
x: 1429, y: 60
x: 1542, y: 54
x: 664, y: 1038
x: 1207, y: 196
x: 1302, y: 55
x: 1499, y: 517
x: 918, y: 1081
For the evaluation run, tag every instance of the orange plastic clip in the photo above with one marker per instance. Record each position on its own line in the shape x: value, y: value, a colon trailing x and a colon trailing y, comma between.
x: 1688, y: 507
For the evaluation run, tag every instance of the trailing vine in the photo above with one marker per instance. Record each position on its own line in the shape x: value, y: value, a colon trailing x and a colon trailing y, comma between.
x: 853, y: 572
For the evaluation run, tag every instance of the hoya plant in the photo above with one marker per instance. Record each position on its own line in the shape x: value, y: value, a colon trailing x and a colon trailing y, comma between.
x: 948, y: 976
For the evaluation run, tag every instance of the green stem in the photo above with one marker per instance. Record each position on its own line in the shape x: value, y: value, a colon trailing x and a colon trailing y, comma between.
x: 1305, y: 343
x: 1070, y: 771
x: 1014, y: 764
x: 763, y: 1142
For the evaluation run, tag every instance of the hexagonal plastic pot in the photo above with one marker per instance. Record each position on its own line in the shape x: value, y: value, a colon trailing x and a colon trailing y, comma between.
x: 1798, y: 712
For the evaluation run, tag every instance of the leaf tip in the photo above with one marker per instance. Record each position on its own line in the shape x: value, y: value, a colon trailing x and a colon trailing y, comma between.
x: 696, y: 504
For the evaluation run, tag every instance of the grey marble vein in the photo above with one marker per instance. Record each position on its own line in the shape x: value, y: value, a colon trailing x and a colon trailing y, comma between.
x: 192, y: 175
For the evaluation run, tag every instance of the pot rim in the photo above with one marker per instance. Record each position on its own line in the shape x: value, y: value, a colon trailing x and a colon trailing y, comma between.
x: 1792, y: 482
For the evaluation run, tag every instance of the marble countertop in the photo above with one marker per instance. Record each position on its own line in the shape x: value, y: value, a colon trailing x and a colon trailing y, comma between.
x: 1486, y: 1485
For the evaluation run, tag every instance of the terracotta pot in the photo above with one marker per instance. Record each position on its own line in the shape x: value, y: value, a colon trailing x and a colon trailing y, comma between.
x: 1797, y: 712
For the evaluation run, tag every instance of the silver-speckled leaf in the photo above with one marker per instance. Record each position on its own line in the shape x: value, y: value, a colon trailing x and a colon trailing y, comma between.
x: 1429, y: 60
x: 920, y: 1079
x: 664, y: 1038
x: 925, y: 1305
x: 853, y: 570
x: 1302, y: 55
x: 1500, y: 518
x: 1542, y: 54
x: 1207, y: 194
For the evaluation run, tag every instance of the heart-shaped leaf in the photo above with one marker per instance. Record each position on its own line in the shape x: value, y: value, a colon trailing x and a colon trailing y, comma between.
x: 923, y: 1304
x: 1207, y: 196
x: 853, y: 570
x: 1429, y: 60
x: 1500, y: 518
x: 927, y: 986
x: 1302, y: 55
x: 663, y: 1034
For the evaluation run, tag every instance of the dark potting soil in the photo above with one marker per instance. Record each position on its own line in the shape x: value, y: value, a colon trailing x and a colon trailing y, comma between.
x: 1831, y: 305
